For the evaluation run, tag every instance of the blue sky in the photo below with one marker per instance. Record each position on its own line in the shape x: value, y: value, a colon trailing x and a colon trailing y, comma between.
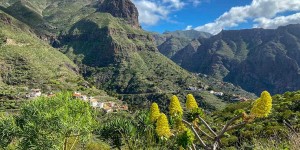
x: 214, y: 15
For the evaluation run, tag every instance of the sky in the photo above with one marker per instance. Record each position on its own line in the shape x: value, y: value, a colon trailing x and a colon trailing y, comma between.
x: 214, y: 15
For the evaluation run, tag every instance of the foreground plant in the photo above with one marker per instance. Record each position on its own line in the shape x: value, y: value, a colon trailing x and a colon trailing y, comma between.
x: 59, y: 122
x: 208, y: 138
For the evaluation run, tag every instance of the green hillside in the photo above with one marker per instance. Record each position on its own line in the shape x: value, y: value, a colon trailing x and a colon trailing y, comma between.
x: 254, y: 59
x: 104, y: 43
x: 107, y: 45
x: 169, y: 43
x: 27, y: 62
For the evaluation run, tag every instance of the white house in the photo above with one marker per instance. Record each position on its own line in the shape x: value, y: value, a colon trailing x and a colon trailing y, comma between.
x: 219, y: 93
x: 84, y: 97
x: 35, y: 93
x: 94, y: 103
x: 100, y: 105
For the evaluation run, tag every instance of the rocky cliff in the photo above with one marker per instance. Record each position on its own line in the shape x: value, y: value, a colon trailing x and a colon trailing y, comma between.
x: 255, y: 59
x: 122, y: 9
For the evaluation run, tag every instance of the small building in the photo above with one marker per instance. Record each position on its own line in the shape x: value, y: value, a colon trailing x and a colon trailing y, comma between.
x: 124, y: 107
x: 84, y: 98
x: 100, y: 105
x: 76, y: 95
x: 192, y: 88
x: 218, y: 93
x: 94, y: 103
x: 108, y: 110
x: 35, y: 93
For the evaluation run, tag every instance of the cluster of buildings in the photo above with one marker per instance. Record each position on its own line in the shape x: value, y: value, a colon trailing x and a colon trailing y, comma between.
x: 95, y: 103
x: 233, y: 98
x: 192, y: 88
x: 106, y: 106
x: 216, y: 93
x: 34, y: 93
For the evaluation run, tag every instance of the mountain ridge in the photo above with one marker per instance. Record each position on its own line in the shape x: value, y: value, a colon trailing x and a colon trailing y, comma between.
x: 110, y: 52
x: 255, y: 59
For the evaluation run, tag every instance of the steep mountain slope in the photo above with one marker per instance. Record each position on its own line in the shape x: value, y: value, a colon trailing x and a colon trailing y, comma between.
x: 187, y: 52
x: 110, y: 49
x: 255, y: 59
x: 27, y: 62
x: 121, y: 58
x: 48, y: 17
x: 169, y: 43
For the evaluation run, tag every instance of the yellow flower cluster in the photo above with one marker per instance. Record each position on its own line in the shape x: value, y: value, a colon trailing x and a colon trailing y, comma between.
x: 262, y: 106
x: 191, y: 103
x: 175, y: 107
x: 154, y: 112
x: 162, y: 127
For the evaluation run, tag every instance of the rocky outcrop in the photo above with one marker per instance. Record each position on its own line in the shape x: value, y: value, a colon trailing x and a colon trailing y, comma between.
x: 121, y: 9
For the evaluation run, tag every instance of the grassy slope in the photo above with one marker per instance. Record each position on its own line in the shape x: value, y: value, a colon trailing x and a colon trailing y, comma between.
x: 27, y: 62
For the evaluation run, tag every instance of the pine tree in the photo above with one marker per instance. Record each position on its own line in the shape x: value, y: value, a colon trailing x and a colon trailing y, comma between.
x: 175, y: 107
x: 191, y: 103
x: 262, y: 106
x: 154, y: 112
x: 163, y: 127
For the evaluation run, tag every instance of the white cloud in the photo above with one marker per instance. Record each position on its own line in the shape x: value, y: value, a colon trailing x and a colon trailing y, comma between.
x: 149, y: 12
x: 277, y: 21
x: 263, y: 9
x: 174, y: 3
x: 152, y: 11
x: 189, y: 27
x: 196, y: 2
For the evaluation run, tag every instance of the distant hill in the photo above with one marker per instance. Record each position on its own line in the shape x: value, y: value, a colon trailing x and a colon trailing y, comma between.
x: 189, y: 34
x: 169, y: 43
x: 255, y: 59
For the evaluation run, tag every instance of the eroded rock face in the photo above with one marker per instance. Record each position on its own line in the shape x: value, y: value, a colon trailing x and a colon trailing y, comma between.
x: 121, y: 9
x: 255, y: 59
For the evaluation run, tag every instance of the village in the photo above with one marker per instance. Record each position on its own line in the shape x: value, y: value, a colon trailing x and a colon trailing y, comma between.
x: 106, y: 106
x: 233, y: 98
x: 116, y: 106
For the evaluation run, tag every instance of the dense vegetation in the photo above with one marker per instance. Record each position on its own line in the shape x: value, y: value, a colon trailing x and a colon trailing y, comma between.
x: 93, y: 43
x: 62, y: 122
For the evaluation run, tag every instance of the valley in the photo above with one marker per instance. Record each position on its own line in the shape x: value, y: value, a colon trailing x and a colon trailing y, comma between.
x: 85, y: 74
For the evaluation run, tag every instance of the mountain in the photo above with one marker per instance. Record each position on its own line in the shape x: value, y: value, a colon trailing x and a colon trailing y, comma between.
x: 169, y: 43
x: 27, y: 62
x: 104, y: 39
x: 254, y: 59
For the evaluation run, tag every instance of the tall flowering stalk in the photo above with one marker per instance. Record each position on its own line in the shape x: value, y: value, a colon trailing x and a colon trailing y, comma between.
x: 186, y: 131
x: 154, y: 112
x: 262, y: 106
x: 175, y: 107
x: 163, y: 127
x: 191, y: 103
